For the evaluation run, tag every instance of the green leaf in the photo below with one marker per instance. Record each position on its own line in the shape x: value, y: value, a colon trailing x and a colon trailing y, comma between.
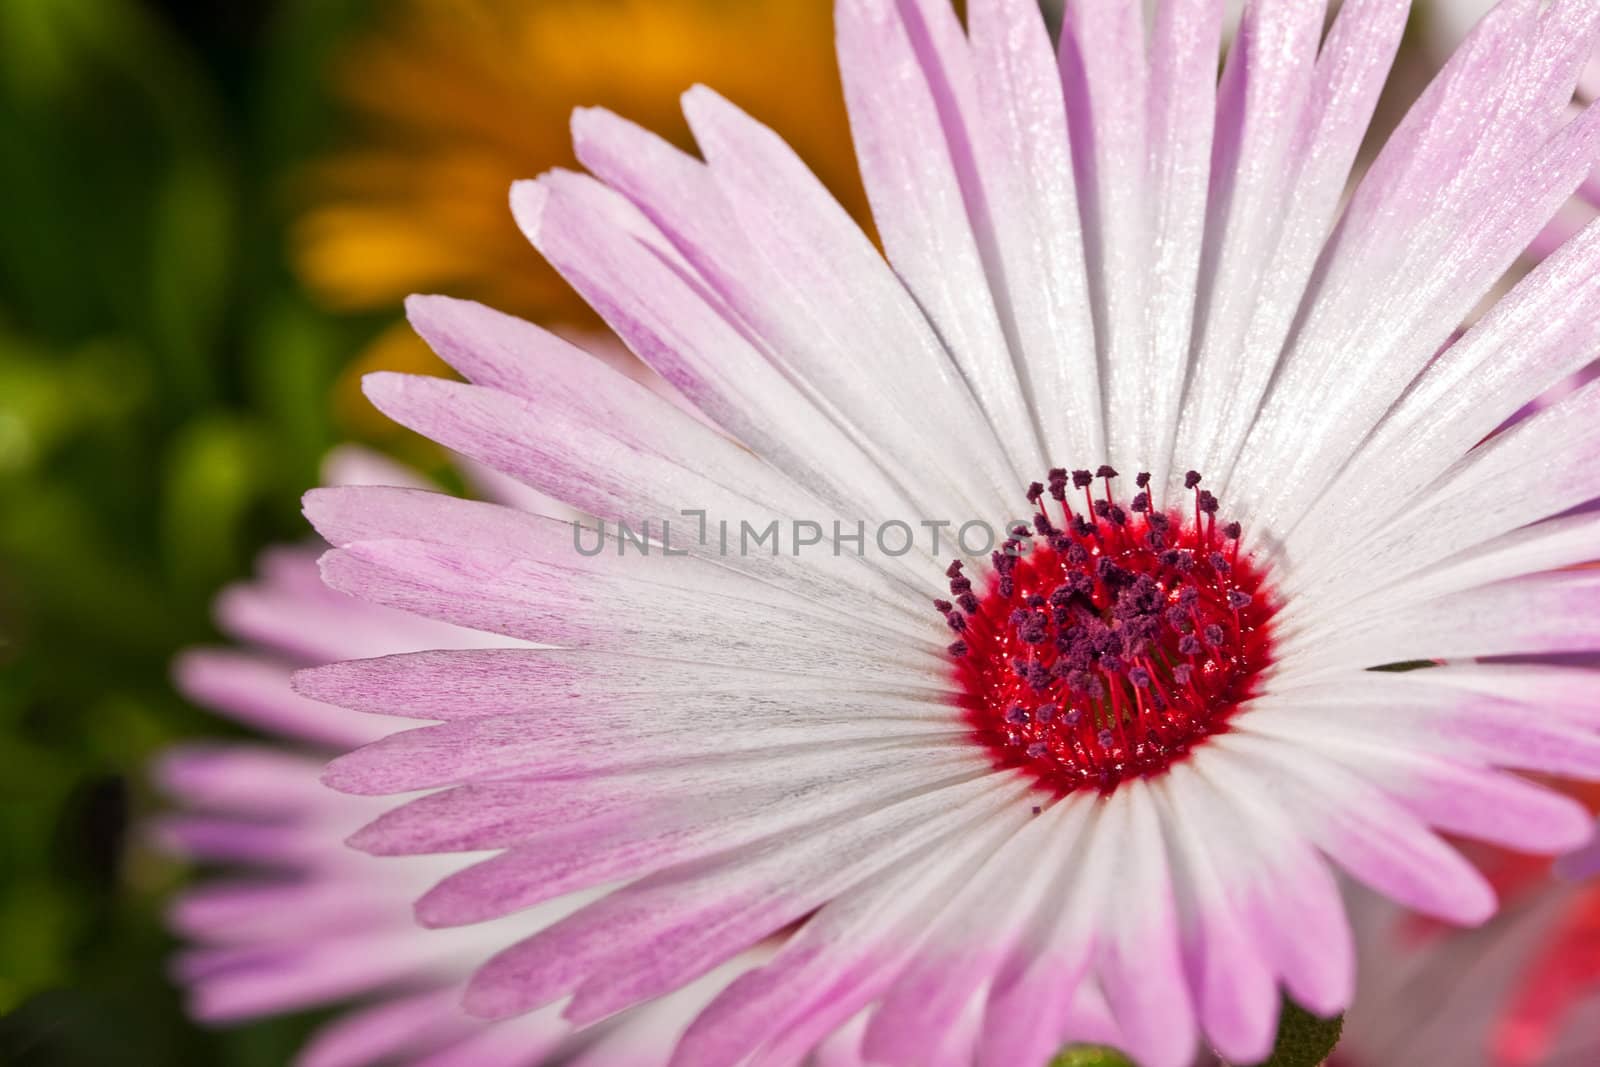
x: 190, y: 239
x: 213, y: 475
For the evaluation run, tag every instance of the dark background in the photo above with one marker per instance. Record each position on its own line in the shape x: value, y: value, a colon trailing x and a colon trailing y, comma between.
x: 163, y: 400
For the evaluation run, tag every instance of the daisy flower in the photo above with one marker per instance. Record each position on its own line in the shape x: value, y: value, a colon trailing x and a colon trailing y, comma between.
x: 303, y: 921
x: 1092, y: 786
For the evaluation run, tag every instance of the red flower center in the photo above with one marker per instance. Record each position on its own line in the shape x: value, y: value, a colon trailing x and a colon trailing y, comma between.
x: 1108, y: 642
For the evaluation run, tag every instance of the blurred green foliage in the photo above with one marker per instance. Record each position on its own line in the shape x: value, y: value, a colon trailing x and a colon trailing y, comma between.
x: 163, y: 402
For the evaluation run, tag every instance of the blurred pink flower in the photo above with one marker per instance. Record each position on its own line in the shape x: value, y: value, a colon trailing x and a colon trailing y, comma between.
x: 300, y: 920
x: 1522, y: 991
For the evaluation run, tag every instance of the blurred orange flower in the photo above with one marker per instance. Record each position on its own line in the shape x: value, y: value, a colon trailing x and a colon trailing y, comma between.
x: 451, y: 100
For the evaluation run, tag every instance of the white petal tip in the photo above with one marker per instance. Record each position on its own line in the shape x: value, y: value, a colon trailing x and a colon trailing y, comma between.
x: 528, y: 199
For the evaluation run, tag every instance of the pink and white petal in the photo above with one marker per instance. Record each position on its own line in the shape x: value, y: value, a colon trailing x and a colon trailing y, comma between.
x: 1532, y: 169
x: 634, y: 446
x: 1232, y: 981
x: 839, y: 961
x: 670, y: 322
x: 907, y: 70
x: 879, y: 339
x: 288, y: 610
x: 243, y: 779
x: 1475, y: 385
x: 869, y: 341
x: 511, y: 595
x: 222, y: 839
x: 742, y: 560
x: 499, y: 351
x: 1451, y: 795
x: 1297, y: 186
x: 673, y: 926
x: 1105, y: 77
x: 1543, y: 613
x: 529, y: 1041
x: 796, y: 338
x: 1137, y: 962
x: 1047, y: 968
x: 1459, y: 107
x: 1421, y: 527
x: 1034, y: 241
x: 378, y: 1032
x: 252, y: 911
x: 1570, y: 692
x: 358, y: 465
x: 1261, y: 110
x: 254, y: 689
x: 1456, y: 514
x: 248, y: 983
x: 468, y: 684
x: 1185, y: 42
x: 842, y: 1048
x: 1281, y: 888
x: 978, y: 931
x: 1554, y: 544
x: 607, y: 852
x: 646, y: 1035
x: 501, y: 811
x: 349, y: 516
x: 1395, y: 710
x: 1568, y: 222
x: 1375, y: 840
x: 352, y: 514
x: 643, y: 476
